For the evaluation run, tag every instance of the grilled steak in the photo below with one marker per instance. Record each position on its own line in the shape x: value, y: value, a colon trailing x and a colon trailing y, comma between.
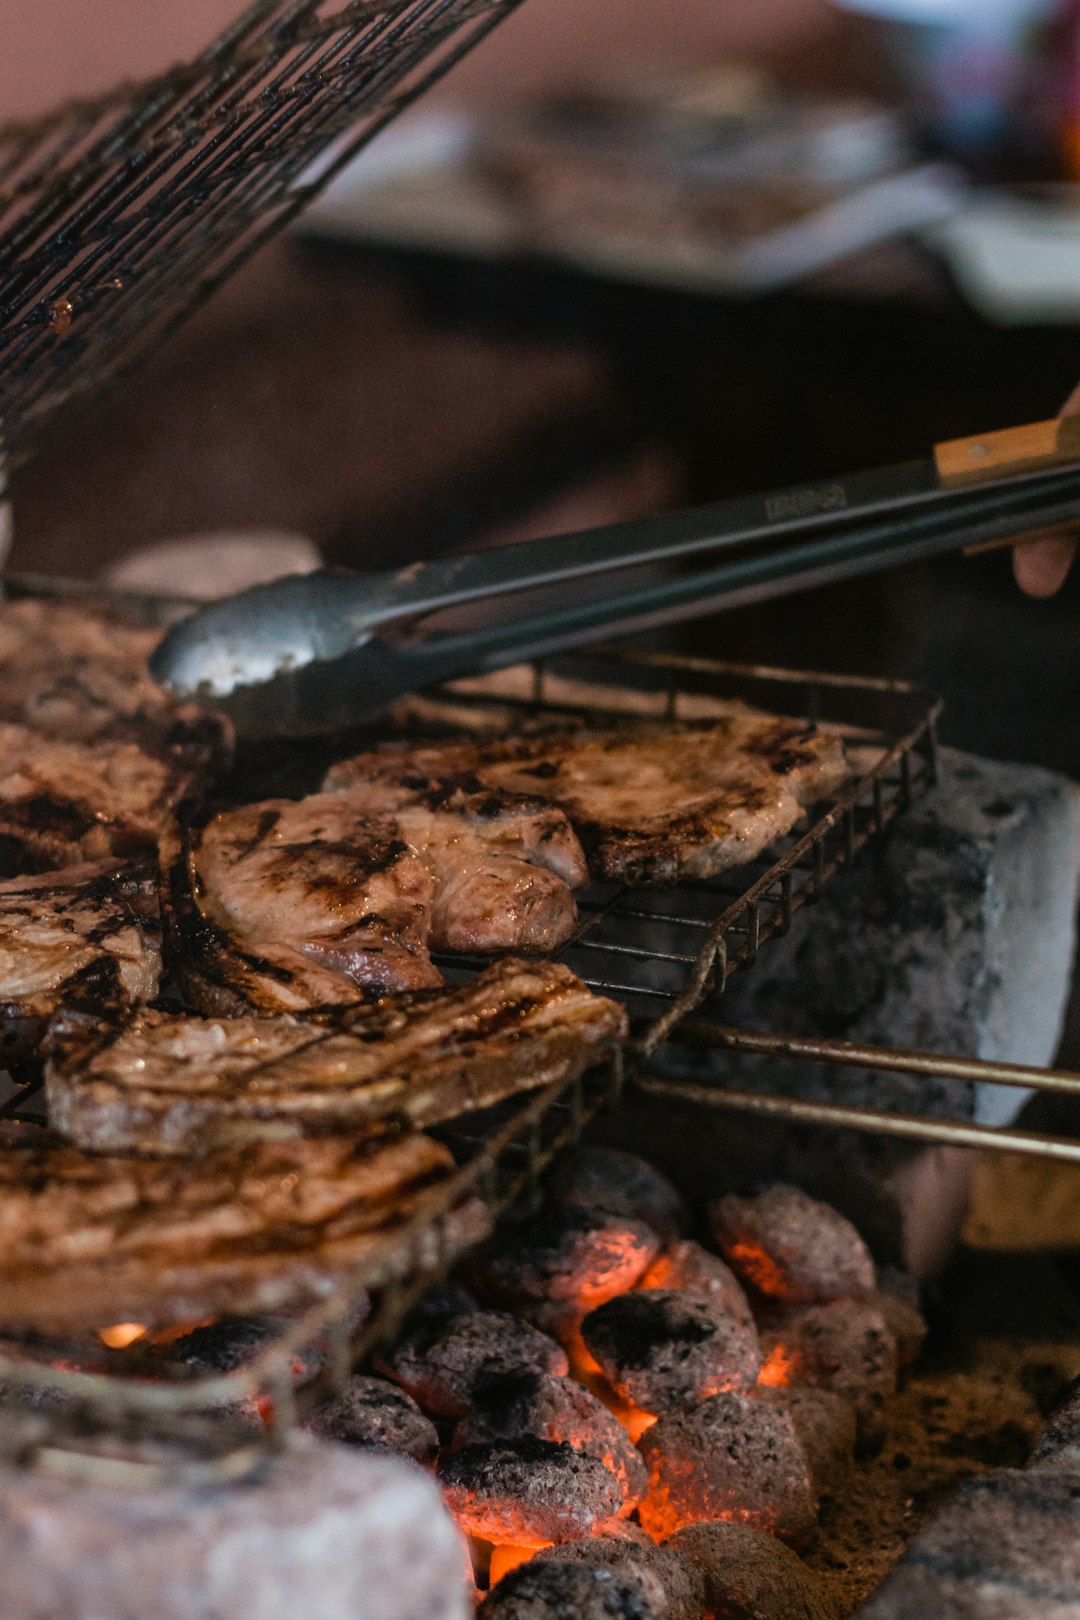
x: 85, y: 1241
x: 330, y: 899
x: 92, y: 752
x: 174, y: 1084
x: 650, y: 804
x: 85, y: 937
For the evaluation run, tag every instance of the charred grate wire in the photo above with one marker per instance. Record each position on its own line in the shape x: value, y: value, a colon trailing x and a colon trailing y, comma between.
x: 118, y: 217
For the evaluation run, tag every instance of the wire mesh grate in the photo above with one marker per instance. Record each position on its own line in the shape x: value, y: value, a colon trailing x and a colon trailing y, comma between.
x: 118, y: 217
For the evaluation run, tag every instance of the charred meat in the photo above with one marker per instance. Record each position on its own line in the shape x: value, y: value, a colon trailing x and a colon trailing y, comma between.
x: 337, y: 897
x: 86, y: 1239
x: 175, y: 1084
x: 86, y: 937
x: 650, y: 804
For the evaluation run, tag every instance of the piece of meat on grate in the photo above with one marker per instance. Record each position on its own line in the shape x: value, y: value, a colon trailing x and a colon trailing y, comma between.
x: 88, y: 1240
x: 86, y: 937
x: 179, y: 1084
x: 651, y: 804
x: 287, y: 904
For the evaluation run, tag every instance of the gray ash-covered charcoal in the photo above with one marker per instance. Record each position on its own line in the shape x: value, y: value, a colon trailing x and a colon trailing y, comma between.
x: 445, y: 1363
x: 574, y: 1256
x: 732, y: 1457
x: 663, y: 1347
x: 545, y: 1590
x: 792, y: 1247
x: 846, y: 1347
x: 667, y: 1575
x: 898, y: 1301
x: 1003, y: 1546
x: 825, y: 1423
x: 230, y: 1343
x: 621, y: 1184
x: 555, y: 1409
x: 687, y: 1264
x: 1058, y: 1446
x: 749, y: 1575
x: 377, y: 1416
x: 529, y: 1492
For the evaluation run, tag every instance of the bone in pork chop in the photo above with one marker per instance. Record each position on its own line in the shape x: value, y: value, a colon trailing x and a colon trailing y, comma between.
x: 650, y: 804
x: 284, y: 905
x: 177, y: 1084
x: 85, y: 1240
x: 87, y: 937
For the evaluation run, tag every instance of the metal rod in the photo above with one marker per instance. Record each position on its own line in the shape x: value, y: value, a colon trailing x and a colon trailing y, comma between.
x: 913, y: 1127
x: 814, y: 1049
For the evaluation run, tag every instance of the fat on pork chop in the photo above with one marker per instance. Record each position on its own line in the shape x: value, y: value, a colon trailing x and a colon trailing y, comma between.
x: 176, y: 1084
x: 651, y: 804
x: 87, y: 938
x: 86, y: 1240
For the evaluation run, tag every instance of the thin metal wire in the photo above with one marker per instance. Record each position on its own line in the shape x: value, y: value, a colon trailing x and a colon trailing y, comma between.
x: 120, y: 216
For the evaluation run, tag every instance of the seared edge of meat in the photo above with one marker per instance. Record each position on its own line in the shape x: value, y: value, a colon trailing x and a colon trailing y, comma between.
x: 181, y: 1085
x: 85, y: 1240
x: 85, y: 938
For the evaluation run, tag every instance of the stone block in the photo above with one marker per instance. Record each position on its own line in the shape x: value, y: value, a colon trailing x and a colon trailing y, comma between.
x: 326, y: 1532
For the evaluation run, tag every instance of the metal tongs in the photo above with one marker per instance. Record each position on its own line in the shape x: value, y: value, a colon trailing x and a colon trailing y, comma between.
x: 318, y: 652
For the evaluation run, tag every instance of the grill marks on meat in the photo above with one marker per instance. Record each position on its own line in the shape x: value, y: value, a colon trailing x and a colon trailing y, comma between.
x: 285, y: 905
x: 651, y: 805
x: 175, y: 1084
x: 85, y: 1239
x: 86, y: 938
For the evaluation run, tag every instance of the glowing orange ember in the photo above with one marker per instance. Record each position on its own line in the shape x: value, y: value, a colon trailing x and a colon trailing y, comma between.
x: 779, y: 1367
x: 506, y: 1557
x: 752, y: 1261
x: 121, y: 1335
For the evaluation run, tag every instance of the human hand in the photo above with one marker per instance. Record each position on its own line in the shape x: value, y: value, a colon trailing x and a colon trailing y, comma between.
x: 1040, y: 565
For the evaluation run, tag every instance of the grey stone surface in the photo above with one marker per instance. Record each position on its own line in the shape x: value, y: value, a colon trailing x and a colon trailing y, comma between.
x: 327, y: 1533
x: 954, y: 934
x: 1004, y: 1546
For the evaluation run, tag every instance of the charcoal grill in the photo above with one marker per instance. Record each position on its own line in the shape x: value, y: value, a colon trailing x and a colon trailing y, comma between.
x: 665, y: 953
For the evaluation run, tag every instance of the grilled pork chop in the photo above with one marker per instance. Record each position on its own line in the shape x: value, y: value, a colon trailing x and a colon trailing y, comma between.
x: 650, y: 804
x: 85, y: 937
x: 329, y: 899
x: 86, y: 1240
x: 176, y: 1084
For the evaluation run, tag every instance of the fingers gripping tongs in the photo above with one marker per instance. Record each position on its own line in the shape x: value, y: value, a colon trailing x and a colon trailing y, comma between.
x: 318, y: 652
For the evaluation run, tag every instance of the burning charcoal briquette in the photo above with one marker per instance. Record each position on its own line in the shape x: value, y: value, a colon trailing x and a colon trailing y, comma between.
x: 826, y: 1425
x: 660, y: 1347
x: 749, y: 1575
x: 445, y: 1363
x: 688, y: 1265
x: 845, y: 1347
x: 377, y: 1416
x: 897, y: 1299
x: 529, y: 1492
x: 543, y: 1590
x: 230, y: 1343
x: 732, y: 1457
x: 555, y: 1409
x: 667, y: 1575
x: 580, y: 1257
x: 622, y: 1184
x: 792, y: 1247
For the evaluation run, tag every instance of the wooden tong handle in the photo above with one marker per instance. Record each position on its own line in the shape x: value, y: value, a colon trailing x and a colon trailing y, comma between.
x: 1008, y: 451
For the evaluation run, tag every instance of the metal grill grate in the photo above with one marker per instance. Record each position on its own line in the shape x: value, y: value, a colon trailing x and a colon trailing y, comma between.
x: 120, y: 216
